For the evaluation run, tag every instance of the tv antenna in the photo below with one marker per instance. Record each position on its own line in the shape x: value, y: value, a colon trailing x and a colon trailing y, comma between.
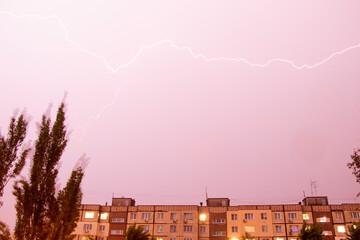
x: 313, y: 187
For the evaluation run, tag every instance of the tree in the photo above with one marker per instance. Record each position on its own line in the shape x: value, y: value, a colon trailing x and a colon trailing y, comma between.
x: 40, y: 212
x: 137, y: 233
x: 4, y: 232
x: 311, y: 232
x: 11, y: 163
x: 354, y: 231
x: 355, y: 165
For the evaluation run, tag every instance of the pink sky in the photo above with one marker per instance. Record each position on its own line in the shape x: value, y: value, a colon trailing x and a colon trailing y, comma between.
x: 250, y: 99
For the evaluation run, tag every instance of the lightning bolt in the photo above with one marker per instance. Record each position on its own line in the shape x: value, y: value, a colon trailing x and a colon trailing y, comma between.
x: 173, y: 45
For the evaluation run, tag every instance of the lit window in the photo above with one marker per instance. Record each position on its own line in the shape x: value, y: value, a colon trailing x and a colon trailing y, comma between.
x: 173, y: 216
x: 306, y: 216
x: 341, y: 229
x: 172, y: 228
x: 264, y: 216
x: 338, y: 215
x: 219, y: 233
x: 323, y: 219
x: 202, y: 229
x: 355, y: 215
x: 249, y: 216
x: 292, y: 216
x: 160, y: 228
x: 277, y: 216
x: 249, y: 229
x: 278, y: 229
x: 294, y: 228
x: 160, y: 216
x: 133, y: 216
x: 265, y: 229
x: 326, y: 233
x: 117, y: 220
x: 117, y: 232
x: 234, y: 239
x: 102, y: 228
x: 234, y: 229
x: 187, y: 228
x: 103, y: 216
x: 279, y: 239
x: 188, y: 216
x: 234, y: 217
x: 202, y: 217
x: 89, y: 214
x: 145, y: 216
x: 87, y: 227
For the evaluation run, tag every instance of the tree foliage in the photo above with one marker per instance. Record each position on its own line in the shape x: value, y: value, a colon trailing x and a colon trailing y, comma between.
x: 11, y: 163
x: 354, y: 231
x: 354, y: 165
x: 311, y: 232
x: 41, y: 213
x: 137, y: 233
x: 4, y: 232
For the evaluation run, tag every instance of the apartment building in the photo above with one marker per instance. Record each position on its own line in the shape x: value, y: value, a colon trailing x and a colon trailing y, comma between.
x: 216, y: 221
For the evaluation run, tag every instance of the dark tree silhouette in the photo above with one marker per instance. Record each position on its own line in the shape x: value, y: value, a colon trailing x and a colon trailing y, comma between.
x: 136, y: 233
x: 311, y: 232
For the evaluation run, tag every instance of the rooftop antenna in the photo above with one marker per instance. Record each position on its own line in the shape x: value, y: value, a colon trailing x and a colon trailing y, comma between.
x: 304, y: 194
x: 206, y: 193
x: 313, y: 186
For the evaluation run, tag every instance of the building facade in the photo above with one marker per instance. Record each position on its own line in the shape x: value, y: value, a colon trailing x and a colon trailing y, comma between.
x: 216, y: 221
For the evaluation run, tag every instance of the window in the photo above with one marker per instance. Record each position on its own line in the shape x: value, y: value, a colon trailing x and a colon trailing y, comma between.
x: 341, y: 229
x: 117, y: 232
x: 292, y: 216
x: 263, y: 216
x: 187, y: 228
x: 146, y: 228
x: 234, y: 229
x: 294, y: 228
x: 249, y: 216
x: 145, y: 216
x: 89, y: 214
x: 202, y: 217
x: 338, y: 215
x: 219, y: 233
x: 234, y: 217
x: 100, y: 238
x: 160, y: 216
x: 326, y: 233
x: 249, y: 229
x: 187, y: 238
x: 188, y: 216
x: 264, y: 229
x: 173, y: 216
x: 87, y: 227
x: 306, y: 216
x: 118, y: 220
x: 172, y: 228
x: 278, y: 229
x: 277, y: 216
x: 202, y: 229
x: 323, y: 219
x: 133, y: 216
x: 218, y: 221
x: 160, y: 228
x: 354, y: 215
x: 103, y: 216
x: 102, y: 228
x: 172, y: 238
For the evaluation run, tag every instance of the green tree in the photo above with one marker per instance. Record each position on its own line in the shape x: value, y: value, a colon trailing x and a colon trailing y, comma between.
x: 11, y: 163
x: 40, y: 212
x: 137, y: 233
x: 4, y: 232
x: 311, y: 232
x: 355, y: 165
x: 354, y: 231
